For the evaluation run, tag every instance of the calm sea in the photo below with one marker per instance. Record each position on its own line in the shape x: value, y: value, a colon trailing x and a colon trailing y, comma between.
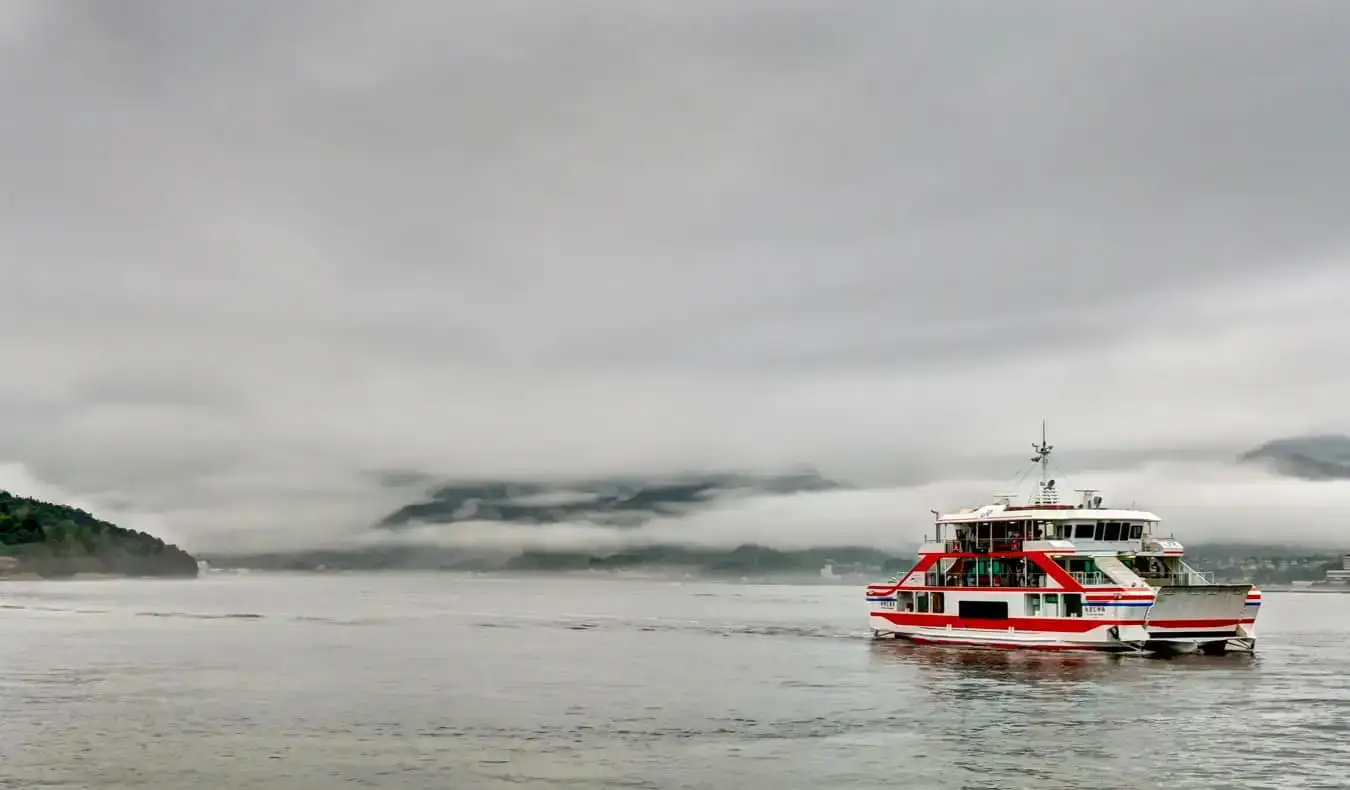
x: 440, y: 681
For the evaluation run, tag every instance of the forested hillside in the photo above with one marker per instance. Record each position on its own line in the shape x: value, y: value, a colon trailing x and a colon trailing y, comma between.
x: 55, y: 540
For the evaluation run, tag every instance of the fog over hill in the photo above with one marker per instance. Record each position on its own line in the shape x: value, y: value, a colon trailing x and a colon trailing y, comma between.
x: 743, y: 523
x: 619, y: 501
x: 1324, y: 457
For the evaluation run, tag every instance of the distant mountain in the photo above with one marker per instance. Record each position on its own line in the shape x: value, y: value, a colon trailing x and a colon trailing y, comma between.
x: 623, y: 502
x: 1306, y: 457
x: 746, y: 560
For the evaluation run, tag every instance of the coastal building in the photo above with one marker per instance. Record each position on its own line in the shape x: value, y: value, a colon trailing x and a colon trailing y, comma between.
x: 1340, y: 575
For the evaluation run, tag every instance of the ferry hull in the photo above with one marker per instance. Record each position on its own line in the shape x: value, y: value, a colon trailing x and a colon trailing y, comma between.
x: 1071, y: 634
x: 1233, y: 629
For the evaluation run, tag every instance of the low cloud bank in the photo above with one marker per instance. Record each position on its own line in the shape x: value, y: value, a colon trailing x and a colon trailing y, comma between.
x: 1199, y: 502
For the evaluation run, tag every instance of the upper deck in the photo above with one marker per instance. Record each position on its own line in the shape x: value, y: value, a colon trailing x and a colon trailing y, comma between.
x: 1004, y: 527
x: 1004, y: 543
x: 1048, y: 525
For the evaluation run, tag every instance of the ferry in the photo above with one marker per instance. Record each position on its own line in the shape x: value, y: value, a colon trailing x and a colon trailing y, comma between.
x: 1048, y: 575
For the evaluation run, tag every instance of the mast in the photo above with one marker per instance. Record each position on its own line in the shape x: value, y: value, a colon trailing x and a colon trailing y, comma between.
x: 1042, y: 455
x: 1046, y: 495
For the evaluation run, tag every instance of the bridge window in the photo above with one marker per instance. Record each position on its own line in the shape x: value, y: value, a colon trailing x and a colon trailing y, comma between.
x: 984, y: 610
x: 1112, y: 531
x: 1084, y: 531
x: 1136, y: 531
x: 1077, y: 564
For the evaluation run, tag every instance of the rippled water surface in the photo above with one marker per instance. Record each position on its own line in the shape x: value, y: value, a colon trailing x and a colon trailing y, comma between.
x: 452, y: 682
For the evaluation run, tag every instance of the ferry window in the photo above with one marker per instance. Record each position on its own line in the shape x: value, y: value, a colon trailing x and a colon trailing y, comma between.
x: 1033, y: 604
x: 1049, y: 530
x: 905, y: 602
x: 1112, y: 531
x: 937, y: 603
x: 1084, y: 532
x: 1100, y: 533
x: 984, y: 610
x: 1073, y: 605
x: 1136, y: 531
x: 923, y: 602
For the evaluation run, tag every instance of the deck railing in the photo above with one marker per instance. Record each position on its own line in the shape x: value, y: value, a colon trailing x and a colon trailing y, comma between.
x: 1090, y: 579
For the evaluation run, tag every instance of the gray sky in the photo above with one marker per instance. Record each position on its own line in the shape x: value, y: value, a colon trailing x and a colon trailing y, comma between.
x: 255, y: 249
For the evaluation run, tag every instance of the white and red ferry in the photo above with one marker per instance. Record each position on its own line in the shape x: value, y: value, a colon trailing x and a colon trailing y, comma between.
x: 1051, y: 576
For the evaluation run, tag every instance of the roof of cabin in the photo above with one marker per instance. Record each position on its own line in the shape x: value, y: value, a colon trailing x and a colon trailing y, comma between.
x: 999, y: 512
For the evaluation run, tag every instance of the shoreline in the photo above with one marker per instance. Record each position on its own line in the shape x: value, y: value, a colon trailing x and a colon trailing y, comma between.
x: 33, y: 577
x: 80, y: 577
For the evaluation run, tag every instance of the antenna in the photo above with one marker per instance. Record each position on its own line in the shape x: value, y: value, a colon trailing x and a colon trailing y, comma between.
x: 1046, y: 494
x: 1042, y: 455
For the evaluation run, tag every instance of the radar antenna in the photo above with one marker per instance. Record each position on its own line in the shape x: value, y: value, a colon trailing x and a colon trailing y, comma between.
x: 1042, y: 455
x: 1046, y: 495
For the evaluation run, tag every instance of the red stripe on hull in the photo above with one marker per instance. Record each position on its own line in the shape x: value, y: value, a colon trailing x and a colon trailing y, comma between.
x: 1002, y: 645
x: 883, y: 589
x: 1062, y: 625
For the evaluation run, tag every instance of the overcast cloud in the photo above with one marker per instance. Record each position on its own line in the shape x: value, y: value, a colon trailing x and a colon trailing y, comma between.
x: 255, y: 250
